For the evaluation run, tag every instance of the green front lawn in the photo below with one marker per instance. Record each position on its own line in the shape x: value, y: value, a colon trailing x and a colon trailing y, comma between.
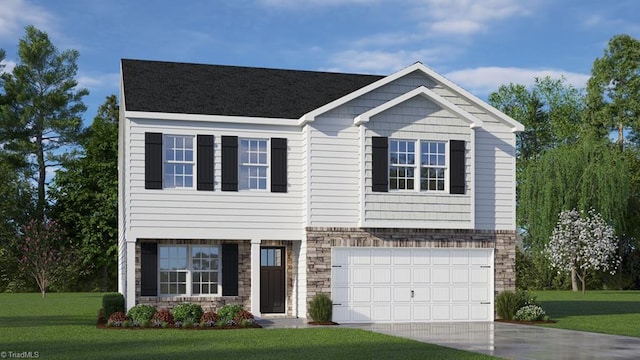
x: 609, y: 312
x: 62, y: 326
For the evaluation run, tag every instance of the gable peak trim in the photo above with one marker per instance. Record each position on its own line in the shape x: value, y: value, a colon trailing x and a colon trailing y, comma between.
x: 473, y: 121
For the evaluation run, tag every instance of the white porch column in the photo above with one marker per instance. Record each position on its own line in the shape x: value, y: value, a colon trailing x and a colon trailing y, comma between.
x: 255, y: 277
x: 130, y: 289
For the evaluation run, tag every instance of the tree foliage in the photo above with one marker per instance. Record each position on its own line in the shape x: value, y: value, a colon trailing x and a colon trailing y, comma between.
x: 41, y: 114
x: 43, y: 255
x: 613, y: 91
x: 582, y: 242
x: 86, y: 197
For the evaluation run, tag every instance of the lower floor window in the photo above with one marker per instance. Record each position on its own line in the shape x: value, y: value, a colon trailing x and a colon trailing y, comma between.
x: 189, y: 270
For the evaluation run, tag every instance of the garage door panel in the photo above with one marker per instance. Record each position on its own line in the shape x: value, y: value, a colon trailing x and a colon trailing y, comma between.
x: 460, y: 294
x: 361, y: 295
x: 421, y: 257
x: 382, y: 276
x: 382, y: 294
x: 401, y: 294
x: 421, y: 275
x: 402, y: 312
x: 412, y: 284
x: 361, y: 276
x: 441, y: 275
x: 460, y: 275
x: 402, y: 275
x: 402, y: 257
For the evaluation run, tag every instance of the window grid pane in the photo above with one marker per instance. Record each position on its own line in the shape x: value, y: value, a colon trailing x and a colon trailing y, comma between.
x: 433, y: 165
x: 253, y: 164
x: 178, y: 278
x: 178, y: 165
x: 402, y: 154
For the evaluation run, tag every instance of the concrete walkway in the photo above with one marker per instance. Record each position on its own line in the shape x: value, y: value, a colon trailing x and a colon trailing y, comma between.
x: 509, y: 341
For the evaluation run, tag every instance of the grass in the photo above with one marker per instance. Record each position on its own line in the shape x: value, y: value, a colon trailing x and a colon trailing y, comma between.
x: 62, y: 326
x: 609, y: 312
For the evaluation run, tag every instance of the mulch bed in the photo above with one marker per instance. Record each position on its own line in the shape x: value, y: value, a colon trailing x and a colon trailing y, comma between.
x: 102, y: 324
x: 322, y: 323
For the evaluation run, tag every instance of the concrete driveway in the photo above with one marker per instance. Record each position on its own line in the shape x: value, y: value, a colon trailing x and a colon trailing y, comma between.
x: 509, y: 341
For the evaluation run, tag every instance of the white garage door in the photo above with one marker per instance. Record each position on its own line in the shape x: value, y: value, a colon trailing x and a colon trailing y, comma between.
x: 411, y: 284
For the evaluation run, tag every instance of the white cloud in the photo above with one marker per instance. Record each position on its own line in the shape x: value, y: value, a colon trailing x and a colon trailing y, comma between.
x: 467, y: 17
x: 109, y: 81
x: 8, y: 66
x: 483, y: 80
x: 382, y: 62
x: 16, y: 14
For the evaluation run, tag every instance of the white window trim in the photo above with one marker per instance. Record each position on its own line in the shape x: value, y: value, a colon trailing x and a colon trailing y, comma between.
x: 267, y: 166
x: 193, y: 162
x: 418, y: 167
x: 189, y: 271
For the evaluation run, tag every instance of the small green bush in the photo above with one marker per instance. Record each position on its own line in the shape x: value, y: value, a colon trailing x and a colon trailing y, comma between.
x: 111, y: 303
x: 141, y: 313
x: 530, y: 313
x: 507, y: 304
x: 228, y: 312
x: 187, y: 311
x: 321, y: 308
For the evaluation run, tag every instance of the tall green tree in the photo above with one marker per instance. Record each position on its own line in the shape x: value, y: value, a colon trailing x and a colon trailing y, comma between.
x: 86, y: 198
x: 42, y: 118
x: 613, y: 91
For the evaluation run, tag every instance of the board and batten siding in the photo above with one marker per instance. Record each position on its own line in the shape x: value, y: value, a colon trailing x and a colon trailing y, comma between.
x: 419, y: 119
x: 189, y: 213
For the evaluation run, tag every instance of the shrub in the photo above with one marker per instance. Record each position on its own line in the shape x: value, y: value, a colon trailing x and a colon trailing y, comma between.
x: 526, y: 297
x: 242, y: 315
x: 228, y: 312
x: 530, y: 313
x: 111, y: 303
x: 507, y: 303
x: 209, y: 319
x: 162, y: 318
x: 118, y: 319
x: 141, y: 313
x: 321, y: 308
x: 187, y: 311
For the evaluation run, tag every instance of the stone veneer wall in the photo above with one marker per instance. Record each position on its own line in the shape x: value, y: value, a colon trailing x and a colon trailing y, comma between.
x: 321, y: 240
x: 207, y: 302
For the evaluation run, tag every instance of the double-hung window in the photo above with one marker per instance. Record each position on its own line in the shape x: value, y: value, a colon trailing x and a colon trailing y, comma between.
x: 178, y: 161
x: 253, y: 164
x: 402, y: 164
x: 189, y: 270
x: 432, y: 165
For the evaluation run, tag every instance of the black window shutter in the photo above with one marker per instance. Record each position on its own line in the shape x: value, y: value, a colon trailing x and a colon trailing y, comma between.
x: 152, y: 160
x: 229, y: 269
x: 205, y: 162
x: 380, y: 164
x: 457, y: 167
x: 278, y: 165
x: 149, y: 269
x: 229, y: 163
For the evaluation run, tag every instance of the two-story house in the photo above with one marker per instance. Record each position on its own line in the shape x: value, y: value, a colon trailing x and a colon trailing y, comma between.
x: 395, y: 195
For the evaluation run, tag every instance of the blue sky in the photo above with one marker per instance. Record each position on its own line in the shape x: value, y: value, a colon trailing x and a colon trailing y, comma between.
x: 477, y: 44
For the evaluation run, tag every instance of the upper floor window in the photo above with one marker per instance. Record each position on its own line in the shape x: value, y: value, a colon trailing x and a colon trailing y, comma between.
x: 253, y: 164
x: 178, y: 161
x: 432, y: 165
x: 402, y: 155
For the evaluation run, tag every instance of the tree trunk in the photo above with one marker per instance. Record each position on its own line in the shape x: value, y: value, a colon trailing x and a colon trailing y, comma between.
x: 574, y: 280
x: 42, y: 174
x: 620, y: 135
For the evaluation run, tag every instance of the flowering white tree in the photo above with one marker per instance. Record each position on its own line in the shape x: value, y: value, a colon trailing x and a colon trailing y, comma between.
x: 582, y: 243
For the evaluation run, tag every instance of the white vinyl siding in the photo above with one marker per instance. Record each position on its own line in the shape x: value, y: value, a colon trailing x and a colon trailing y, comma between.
x: 174, y: 214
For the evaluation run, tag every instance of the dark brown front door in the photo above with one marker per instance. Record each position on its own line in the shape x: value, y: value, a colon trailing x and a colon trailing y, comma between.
x: 272, y: 279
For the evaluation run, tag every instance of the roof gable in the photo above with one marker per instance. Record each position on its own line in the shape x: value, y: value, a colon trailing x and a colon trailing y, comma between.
x: 473, y: 121
x: 168, y: 87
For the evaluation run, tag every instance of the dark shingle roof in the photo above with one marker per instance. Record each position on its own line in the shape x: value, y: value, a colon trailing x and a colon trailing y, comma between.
x: 154, y: 86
